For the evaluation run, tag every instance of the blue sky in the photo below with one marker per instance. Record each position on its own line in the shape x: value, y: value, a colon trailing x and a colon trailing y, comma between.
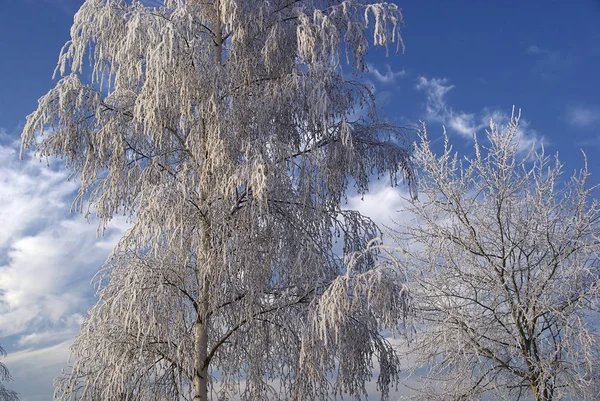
x: 465, y: 61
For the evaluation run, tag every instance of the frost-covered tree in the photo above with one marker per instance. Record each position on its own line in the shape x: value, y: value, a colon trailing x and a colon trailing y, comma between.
x: 505, y: 274
x: 5, y: 394
x: 229, y: 132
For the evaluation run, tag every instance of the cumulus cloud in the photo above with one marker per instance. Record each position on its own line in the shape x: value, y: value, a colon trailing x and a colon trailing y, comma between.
x: 47, y: 258
x: 464, y: 123
x: 381, y: 204
x: 385, y: 205
x: 582, y: 116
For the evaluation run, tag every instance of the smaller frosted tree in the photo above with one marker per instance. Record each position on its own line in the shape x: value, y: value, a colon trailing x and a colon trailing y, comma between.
x: 504, y: 273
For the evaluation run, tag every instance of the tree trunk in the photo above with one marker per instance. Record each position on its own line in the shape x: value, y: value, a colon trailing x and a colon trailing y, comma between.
x: 200, y: 365
x: 546, y: 393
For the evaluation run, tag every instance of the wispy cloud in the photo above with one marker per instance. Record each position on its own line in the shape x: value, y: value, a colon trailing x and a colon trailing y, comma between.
x: 535, y: 49
x: 70, y: 328
x: 435, y: 89
x: 438, y: 110
x: 583, y: 116
x: 387, y: 76
x: 47, y: 258
x: 548, y: 63
x: 464, y: 123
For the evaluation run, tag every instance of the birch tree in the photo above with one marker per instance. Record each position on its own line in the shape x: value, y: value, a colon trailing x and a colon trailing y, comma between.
x: 505, y: 274
x: 229, y: 132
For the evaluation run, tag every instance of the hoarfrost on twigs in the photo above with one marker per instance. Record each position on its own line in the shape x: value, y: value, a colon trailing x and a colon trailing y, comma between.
x: 503, y: 261
x: 225, y: 128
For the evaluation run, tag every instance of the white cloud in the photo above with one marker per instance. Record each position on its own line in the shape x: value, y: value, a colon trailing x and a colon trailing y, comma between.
x: 384, y: 204
x: 38, y: 338
x: 435, y: 89
x: 582, y: 116
x: 34, y: 370
x: 438, y: 110
x: 47, y: 258
x: 387, y: 76
x: 464, y: 123
x: 43, y: 356
x: 30, y: 194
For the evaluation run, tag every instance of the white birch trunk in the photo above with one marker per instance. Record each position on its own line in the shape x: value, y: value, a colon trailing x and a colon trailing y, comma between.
x: 200, y: 365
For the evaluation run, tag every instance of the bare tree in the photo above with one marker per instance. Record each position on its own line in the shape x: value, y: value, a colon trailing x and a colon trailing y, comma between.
x: 505, y: 273
x: 226, y: 129
x: 6, y: 394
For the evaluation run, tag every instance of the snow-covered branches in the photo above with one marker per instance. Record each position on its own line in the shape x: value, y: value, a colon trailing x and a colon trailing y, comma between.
x: 5, y: 394
x: 225, y: 127
x: 505, y: 273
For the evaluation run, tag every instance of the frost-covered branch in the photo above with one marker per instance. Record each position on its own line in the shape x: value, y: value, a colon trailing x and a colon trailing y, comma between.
x: 6, y: 394
x: 505, y: 270
x: 222, y: 127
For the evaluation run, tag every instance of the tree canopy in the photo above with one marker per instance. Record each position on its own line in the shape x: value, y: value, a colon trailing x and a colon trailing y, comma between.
x: 504, y: 265
x: 230, y: 133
